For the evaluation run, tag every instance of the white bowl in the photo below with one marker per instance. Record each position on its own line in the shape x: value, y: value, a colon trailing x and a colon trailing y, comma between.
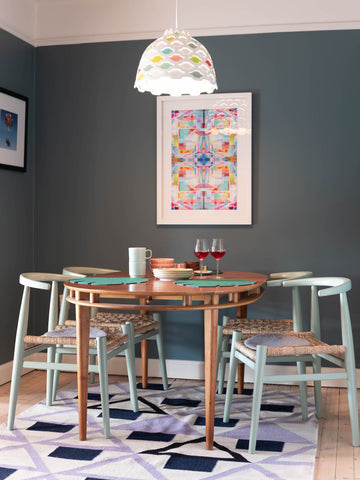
x: 171, y: 274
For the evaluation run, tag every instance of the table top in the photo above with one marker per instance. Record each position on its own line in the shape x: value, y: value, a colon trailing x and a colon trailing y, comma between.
x: 155, y: 287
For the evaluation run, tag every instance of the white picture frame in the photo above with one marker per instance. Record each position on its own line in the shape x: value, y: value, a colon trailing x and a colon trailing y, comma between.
x: 227, y: 200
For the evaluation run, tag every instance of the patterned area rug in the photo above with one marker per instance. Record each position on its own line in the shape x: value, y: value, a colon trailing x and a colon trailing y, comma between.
x: 164, y: 440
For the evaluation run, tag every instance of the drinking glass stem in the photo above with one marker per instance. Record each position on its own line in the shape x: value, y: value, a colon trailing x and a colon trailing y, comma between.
x: 217, y: 268
x: 201, y: 262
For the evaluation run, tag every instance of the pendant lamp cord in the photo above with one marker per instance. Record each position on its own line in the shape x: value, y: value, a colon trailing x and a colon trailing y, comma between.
x: 176, y: 14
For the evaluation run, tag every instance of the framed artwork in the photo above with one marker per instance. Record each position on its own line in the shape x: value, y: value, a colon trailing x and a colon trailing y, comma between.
x: 13, y: 129
x: 204, y: 159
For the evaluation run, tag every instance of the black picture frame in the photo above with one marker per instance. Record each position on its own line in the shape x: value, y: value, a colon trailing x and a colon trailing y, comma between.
x: 13, y: 130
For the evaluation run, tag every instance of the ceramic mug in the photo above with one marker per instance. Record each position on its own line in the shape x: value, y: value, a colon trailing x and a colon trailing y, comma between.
x: 138, y: 254
x: 137, y: 269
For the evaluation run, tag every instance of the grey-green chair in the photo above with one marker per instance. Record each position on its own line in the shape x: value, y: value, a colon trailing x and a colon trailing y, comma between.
x: 254, y: 326
x: 59, y: 337
x: 146, y: 326
x: 258, y: 351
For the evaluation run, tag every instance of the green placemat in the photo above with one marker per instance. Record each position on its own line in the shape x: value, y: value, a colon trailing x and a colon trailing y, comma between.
x: 108, y: 281
x: 214, y: 283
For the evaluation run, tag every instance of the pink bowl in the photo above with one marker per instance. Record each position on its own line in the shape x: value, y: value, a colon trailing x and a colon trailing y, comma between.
x: 161, y: 263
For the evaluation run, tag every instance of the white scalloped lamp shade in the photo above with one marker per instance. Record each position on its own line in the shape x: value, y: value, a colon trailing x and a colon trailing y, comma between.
x: 176, y: 64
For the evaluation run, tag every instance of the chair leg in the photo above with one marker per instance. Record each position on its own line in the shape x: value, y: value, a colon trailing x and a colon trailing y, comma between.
x: 50, y: 375
x: 222, y: 346
x: 220, y: 361
x: 18, y: 356
x: 15, y: 383
x: 58, y: 360
x: 224, y: 355
x: 231, y: 377
x: 352, y: 395
x: 104, y: 383
x: 317, y: 386
x: 261, y: 353
x: 301, y: 368
x: 128, y: 329
x: 161, y: 353
x: 92, y: 362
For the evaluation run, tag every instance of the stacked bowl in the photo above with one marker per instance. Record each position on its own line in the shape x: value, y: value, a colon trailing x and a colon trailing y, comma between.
x: 171, y: 274
x: 161, y: 263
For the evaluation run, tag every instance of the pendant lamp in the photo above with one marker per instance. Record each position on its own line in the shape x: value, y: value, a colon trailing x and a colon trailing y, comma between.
x: 176, y: 64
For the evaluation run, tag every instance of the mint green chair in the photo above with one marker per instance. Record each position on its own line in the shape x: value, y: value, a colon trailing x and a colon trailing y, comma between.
x: 145, y: 326
x: 254, y: 326
x: 59, y: 337
x: 258, y: 351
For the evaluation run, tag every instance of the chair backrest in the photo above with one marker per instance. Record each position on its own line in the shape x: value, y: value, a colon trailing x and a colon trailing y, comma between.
x: 40, y: 281
x: 277, y: 280
x: 332, y: 286
x: 79, y: 272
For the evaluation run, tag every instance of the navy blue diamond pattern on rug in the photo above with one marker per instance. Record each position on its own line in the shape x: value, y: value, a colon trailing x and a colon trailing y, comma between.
x: 218, y: 422
x: 269, y: 407
x: 86, y: 454
x: 50, y: 427
x: 6, y: 472
x: 194, y: 464
x: 180, y: 402
x: 151, y: 437
x: 94, y: 478
x: 123, y: 414
x: 151, y: 386
x: 246, y: 391
x: 262, y: 445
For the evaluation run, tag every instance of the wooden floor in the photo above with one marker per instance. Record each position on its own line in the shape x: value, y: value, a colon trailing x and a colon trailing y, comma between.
x: 336, y: 459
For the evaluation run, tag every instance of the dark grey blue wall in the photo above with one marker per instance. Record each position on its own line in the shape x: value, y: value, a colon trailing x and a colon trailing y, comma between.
x: 96, y: 163
x: 17, y: 69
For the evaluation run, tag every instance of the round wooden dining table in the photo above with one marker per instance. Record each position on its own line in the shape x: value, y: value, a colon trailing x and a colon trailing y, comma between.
x: 140, y: 297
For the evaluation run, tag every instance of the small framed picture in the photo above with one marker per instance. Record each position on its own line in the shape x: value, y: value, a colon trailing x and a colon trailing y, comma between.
x: 13, y: 130
x: 204, y: 159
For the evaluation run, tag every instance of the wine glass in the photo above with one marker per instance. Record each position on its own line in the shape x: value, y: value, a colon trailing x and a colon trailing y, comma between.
x: 201, y: 251
x: 217, y: 251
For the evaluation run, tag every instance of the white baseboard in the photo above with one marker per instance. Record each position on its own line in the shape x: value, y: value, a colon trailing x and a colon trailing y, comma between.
x: 175, y: 369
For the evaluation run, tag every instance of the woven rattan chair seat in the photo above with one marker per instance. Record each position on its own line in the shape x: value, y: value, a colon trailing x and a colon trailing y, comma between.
x: 111, y: 322
x: 316, y: 347
x: 255, y: 326
x: 112, y: 341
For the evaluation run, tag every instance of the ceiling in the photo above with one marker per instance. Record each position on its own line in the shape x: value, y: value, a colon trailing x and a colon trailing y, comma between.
x: 55, y: 22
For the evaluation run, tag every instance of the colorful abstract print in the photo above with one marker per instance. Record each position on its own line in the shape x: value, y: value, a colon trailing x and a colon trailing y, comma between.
x: 204, y: 159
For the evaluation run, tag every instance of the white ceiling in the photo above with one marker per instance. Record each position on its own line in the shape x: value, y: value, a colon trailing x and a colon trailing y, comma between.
x: 53, y: 22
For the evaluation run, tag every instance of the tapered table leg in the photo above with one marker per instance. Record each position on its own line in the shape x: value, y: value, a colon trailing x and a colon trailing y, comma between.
x: 210, y: 342
x: 82, y: 339
x: 144, y: 362
x: 144, y: 353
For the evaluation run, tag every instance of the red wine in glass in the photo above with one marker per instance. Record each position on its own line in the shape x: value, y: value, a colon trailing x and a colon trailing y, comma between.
x: 217, y: 251
x: 201, y: 251
x: 201, y: 255
x: 217, y: 254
